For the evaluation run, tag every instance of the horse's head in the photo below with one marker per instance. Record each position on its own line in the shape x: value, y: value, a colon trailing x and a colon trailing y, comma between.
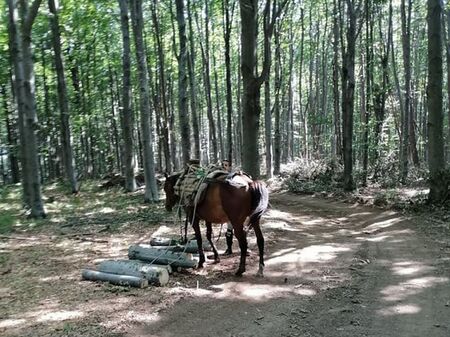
x: 169, y: 188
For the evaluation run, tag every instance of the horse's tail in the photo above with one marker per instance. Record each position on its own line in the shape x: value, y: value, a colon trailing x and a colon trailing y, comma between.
x: 260, y: 199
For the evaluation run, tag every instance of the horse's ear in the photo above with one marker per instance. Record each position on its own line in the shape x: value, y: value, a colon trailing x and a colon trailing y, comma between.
x: 166, y: 175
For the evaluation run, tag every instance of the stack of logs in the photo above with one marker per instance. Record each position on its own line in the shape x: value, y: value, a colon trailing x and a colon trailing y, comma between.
x: 148, y: 264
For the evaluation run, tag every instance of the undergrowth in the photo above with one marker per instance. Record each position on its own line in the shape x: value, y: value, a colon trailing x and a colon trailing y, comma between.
x: 382, y: 189
x: 92, y: 207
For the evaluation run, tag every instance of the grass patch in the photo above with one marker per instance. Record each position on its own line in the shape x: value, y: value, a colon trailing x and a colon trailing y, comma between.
x: 7, y: 221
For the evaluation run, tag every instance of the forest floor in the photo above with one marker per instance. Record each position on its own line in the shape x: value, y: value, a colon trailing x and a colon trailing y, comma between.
x: 332, y: 269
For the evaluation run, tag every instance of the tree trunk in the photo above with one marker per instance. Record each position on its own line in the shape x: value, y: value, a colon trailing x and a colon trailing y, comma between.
x: 290, y: 103
x: 193, y: 86
x: 276, y: 108
x: 207, y: 81
x: 229, y: 99
x: 127, y: 112
x: 182, y: 84
x: 66, y: 140
x: 151, y: 191
x: 379, y: 97
x: 447, y: 49
x: 163, y: 91
x: 268, y: 129
x: 20, y: 42
x: 348, y: 91
x: 251, y: 105
x: 251, y: 108
x: 11, y: 138
x: 366, y: 99
x: 302, y: 118
x: 219, y: 112
x: 336, y: 143
x: 438, y: 181
x: 406, y: 24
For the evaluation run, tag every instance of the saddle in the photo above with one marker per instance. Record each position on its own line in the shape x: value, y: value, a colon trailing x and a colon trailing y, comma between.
x: 193, y: 182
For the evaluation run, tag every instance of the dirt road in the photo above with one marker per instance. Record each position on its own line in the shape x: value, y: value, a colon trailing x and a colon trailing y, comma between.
x: 332, y: 269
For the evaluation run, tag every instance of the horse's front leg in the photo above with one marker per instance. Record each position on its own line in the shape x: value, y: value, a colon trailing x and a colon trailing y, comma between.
x: 241, y: 236
x: 198, y: 237
x: 209, y: 237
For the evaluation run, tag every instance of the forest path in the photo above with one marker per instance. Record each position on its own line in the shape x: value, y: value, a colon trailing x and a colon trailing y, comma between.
x: 332, y: 269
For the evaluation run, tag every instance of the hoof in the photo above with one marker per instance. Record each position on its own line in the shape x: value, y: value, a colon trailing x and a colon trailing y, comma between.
x: 200, y: 265
x: 259, y: 274
x: 227, y: 252
x: 239, y: 272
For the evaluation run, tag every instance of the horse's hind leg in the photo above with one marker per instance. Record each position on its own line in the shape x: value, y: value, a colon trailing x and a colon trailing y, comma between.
x: 260, y: 241
x: 241, y: 235
x: 209, y: 237
x: 198, y: 237
x: 186, y: 223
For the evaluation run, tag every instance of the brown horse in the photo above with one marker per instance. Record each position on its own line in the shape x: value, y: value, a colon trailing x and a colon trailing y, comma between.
x: 226, y: 202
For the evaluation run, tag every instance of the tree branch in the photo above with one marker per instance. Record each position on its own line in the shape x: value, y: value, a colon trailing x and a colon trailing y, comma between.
x: 269, y: 23
x: 28, y: 23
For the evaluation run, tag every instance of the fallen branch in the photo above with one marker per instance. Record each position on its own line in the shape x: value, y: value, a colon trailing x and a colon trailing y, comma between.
x: 101, y: 230
x: 90, y: 239
x: 17, y: 238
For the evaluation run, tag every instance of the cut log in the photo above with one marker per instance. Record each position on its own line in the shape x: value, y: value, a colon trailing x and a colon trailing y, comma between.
x: 155, y: 274
x: 122, y: 280
x: 159, y: 256
x: 158, y: 241
x: 193, y: 248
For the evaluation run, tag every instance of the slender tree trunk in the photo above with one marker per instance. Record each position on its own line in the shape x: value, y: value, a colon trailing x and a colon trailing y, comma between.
x: 447, y: 49
x: 348, y: 91
x: 66, y: 140
x: 380, y: 96
x: 276, y: 108
x: 439, y: 188
x: 302, y: 118
x: 406, y: 24
x: 337, y: 143
x: 290, y: 104
x: 52, y: 159
x: 193, y: 85
x: 229, y: 99
x: 151, y: 191
x: 367, y: 97
x: 11, y: 135
x: 207, y: 81
x: 20, y: 42
x: 163, y: 90
x: 182, y: 83
x: 127, y: 112
x: 219, y: 112
x: 268, y: 129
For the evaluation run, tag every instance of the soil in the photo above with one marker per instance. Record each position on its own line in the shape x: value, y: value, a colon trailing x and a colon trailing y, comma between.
x: 332, y: 269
